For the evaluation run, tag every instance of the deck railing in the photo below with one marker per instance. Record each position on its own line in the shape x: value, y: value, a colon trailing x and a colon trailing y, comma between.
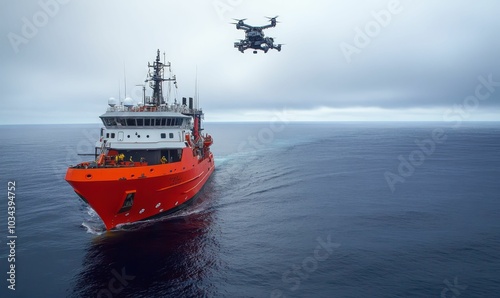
x: 176, y: 108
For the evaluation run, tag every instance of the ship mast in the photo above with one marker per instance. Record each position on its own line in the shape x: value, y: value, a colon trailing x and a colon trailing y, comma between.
x: 156, y: 79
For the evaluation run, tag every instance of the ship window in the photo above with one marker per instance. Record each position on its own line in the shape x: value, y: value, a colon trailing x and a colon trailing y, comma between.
x: 158, y: 122
x: 163, y: 121
x: 163, y: 135
x: 140, y: 122
x: 130, y: 122
x: 109, y: 122
x: 171, y: 135
x: 107, y: 135
x: 121, y: 121
x: 147, y: 122
x: 169, y: 121
x: 112, y: 135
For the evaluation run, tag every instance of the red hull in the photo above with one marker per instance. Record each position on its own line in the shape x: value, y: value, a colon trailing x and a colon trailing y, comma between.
x: 156, y: 189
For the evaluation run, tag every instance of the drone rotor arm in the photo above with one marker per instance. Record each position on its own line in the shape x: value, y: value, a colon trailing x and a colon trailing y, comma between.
x: 266, y: 27
x: 245, y: 27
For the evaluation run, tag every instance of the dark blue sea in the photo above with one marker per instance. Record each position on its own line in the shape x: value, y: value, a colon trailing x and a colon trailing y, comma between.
x: 292, y: 210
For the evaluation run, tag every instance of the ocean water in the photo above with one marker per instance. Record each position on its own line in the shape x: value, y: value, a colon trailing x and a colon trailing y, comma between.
x: 293, y: 210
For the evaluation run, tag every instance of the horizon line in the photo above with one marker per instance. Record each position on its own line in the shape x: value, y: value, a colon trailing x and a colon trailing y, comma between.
x: 266, y: 121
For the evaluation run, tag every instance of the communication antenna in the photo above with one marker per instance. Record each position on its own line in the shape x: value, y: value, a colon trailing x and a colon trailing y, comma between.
x: 196, y: 97
x: 119, y: 93
x: 125, y: 79
x: 143, y: 92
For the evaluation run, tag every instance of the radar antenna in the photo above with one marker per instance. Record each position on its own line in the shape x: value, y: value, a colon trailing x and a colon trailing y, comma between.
x: 156, y: 79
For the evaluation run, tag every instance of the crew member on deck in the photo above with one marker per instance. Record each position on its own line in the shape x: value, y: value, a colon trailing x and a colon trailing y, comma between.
x: 119, y: 158
x: 163, y: 159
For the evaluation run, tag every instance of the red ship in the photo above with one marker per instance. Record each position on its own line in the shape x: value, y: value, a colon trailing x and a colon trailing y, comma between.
x: 151, y: 158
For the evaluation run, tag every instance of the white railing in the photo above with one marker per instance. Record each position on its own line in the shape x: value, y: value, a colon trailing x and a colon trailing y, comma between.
x: 176, y: 108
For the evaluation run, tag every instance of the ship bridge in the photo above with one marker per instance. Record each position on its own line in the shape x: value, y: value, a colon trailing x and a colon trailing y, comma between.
x: 145, y: 120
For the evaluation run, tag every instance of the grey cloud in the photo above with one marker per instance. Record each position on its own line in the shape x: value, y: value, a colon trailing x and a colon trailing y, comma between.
x: 429, y: 56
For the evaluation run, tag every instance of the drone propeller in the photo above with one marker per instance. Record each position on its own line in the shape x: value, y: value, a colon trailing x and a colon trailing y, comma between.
x: 242, y: 20
x: 273, y: 19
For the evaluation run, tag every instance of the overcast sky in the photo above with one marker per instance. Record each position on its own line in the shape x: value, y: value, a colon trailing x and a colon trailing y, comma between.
x: 342, y: 60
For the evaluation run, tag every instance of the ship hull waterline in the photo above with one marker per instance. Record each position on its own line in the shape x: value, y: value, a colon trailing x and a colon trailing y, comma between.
x: 154, y: 190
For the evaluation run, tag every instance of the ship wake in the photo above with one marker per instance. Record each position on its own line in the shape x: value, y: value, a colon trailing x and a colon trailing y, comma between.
x: 93, y: 224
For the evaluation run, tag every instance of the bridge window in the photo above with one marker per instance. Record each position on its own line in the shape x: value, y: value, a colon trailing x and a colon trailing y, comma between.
x: 121, y: 122
x: 109, y: 122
